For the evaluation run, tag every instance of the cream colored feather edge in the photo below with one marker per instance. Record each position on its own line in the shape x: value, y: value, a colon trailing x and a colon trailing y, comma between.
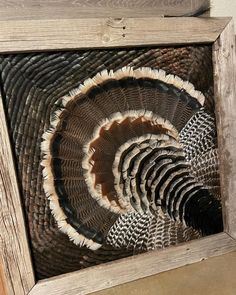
x: 48, y: 183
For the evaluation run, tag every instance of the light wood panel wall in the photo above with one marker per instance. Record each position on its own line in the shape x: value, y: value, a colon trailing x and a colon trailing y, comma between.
x: 60, y: 9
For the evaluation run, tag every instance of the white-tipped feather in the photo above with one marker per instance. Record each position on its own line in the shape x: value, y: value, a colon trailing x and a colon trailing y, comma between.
x: 66, y: 99
x: 50, y: 191
x: 87, y: 85
x: 137, y: 73
x: 101, y: 77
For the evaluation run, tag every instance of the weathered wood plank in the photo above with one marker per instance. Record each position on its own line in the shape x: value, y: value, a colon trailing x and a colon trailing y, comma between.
x: 2, y: 280
x: 42, y: 9
x: 225, y: 94
x: 16, y: 268
x: 35, y: 35
x: 133, y: 268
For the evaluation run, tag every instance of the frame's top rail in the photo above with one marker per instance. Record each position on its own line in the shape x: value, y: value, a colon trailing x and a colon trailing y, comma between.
x: 66, y: 34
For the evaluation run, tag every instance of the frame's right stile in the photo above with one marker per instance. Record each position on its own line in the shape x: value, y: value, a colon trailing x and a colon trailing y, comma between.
x: 225, y: 97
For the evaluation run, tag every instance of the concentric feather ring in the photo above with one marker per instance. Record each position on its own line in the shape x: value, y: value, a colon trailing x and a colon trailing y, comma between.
x: 120, y: 161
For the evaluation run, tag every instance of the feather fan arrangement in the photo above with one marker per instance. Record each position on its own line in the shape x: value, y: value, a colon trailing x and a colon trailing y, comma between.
x: 121, y: 161
x: 122, y: 153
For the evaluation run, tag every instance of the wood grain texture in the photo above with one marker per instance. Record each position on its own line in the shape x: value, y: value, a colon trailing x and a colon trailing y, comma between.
x: 133, y: 268
x: 16, y: 268
x: 225, y: 95
x: 74, y: 9
x: 35, y: 35
x: 2, y: 279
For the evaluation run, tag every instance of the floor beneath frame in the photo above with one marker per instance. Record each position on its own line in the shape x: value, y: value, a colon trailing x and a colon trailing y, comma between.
x: 215, y: 276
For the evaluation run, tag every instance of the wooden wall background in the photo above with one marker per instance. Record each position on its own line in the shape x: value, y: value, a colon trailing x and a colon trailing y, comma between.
x: 53, y: 9
x: 224, y: 8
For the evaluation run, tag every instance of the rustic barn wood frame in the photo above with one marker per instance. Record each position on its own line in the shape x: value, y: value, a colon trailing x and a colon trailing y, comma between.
x: 16, y: 270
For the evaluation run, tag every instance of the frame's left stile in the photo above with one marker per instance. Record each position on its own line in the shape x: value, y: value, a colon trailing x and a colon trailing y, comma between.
x: 17, y: 270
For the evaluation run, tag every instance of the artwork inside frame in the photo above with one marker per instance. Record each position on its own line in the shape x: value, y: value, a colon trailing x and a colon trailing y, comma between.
x: 160, y: 94
x: 34, y: 113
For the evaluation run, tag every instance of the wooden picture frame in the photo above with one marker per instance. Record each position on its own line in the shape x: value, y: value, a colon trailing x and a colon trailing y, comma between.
x: 16, y: 270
